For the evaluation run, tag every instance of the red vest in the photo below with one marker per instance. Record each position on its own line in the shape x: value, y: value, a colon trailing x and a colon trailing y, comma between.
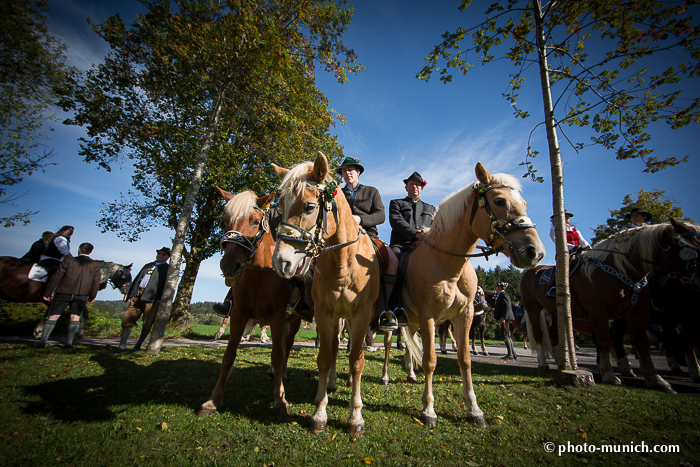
x: 572, y: 237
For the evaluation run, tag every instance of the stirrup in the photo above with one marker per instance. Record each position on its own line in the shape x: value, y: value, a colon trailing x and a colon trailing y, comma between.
x: 401, y: 317
x: 387, y: 321
x: 221, y: 309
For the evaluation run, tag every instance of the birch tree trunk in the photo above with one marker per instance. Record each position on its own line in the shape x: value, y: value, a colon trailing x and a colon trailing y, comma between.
x: 567, y: 354
x: 166, y: 302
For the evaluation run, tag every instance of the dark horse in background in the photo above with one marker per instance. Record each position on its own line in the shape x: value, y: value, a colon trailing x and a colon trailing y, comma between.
x: 515, y: 324
x: 15, y: 285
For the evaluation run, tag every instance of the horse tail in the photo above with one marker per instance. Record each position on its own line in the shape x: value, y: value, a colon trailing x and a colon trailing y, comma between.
x: 413, y: 346
x: 546, y: 341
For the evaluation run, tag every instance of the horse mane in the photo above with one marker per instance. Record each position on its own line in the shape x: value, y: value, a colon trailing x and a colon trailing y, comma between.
x: 640, y: 242
x: 240, y: 205
x: 454, y: 205
x: 294, y: 183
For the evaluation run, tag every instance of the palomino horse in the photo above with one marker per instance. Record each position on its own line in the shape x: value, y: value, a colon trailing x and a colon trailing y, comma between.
x: 440, y: 282
x: 318, y: 224
x: 259, y: 294
x: 15, y: 285
x: 612, y: 283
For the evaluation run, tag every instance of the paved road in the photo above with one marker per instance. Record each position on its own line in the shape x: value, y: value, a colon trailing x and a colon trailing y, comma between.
x: 586, y: 357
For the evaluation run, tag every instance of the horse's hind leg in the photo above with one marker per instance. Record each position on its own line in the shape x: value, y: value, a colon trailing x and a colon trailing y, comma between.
x: 280, y: 332
x: 482, y: 337
x: 652, y: 379
x: 452, y: 337
x: 412, y: 352
x: 217, y: 396
x: 428, y: 415
x: 387, y: 351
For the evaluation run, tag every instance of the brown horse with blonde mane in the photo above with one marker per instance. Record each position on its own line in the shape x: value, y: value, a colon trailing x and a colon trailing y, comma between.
x: 258, y: 293
x: 612, y: 283
x: 319, y: 224
x: 440, y: 282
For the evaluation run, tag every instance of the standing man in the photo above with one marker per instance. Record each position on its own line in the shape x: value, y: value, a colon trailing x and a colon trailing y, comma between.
x: 76, y: 283
x: 638, y: 217
x: 368, y: 211
x: 38, y: 248
x: 504, y: 314
x: 409, y: 217
x: 145, y: 293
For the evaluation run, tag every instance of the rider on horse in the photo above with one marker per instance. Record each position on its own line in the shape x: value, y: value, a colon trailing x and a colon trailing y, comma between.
x: 574, y: 242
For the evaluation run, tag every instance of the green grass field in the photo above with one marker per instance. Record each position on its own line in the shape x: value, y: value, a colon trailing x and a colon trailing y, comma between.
x: 89, y: 407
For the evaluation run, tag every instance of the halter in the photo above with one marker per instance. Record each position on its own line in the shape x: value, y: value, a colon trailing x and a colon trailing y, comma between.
x: 499, y: 227
x: 313, y: 237
x: 237, y: 238
x: 689, y: 254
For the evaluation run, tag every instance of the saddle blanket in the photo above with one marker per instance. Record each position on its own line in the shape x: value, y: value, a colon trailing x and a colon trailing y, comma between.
x: 37, y: 273
x: 546, y: 274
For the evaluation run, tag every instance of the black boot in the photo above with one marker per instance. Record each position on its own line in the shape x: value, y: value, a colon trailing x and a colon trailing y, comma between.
x: 223, y: 309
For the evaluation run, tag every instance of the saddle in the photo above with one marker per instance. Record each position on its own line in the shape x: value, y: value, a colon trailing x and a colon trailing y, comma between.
x: 548, y: 274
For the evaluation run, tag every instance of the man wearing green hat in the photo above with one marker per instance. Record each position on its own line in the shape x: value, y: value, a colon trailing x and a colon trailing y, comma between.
x: 368, y: 212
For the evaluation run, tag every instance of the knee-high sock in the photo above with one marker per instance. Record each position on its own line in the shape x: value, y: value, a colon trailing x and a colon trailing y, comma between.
x: 389, y: 283
x: 48, y: 329
x: 512, y: 347
x: 72, y: 331
x: 124, y: 337
x: 142, y: 338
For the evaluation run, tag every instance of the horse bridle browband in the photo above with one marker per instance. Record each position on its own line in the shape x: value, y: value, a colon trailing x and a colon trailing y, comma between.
x: 499, y: 227
x: 313, y: 237
x: 237, y: 238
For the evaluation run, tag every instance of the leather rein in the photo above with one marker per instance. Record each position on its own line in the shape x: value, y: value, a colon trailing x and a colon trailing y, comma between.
x: 499, y: 227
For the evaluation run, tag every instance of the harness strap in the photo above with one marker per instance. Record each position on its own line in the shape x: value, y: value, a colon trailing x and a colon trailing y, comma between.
x: 636, y: 287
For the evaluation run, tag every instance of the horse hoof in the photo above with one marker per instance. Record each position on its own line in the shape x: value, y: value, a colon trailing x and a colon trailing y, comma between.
x: 331, y: 389
x: 429, y: 421
x: 628, y: 373
x: 477, y: 420
x: 543, y: 367
x: 486, y: 354
x: 317, y: 427
x: 281, y: 411
x: 384, y: 381
x: 444, y: 352
x: 412, y: 379
x: 356, y: 430
x: 204, y: 412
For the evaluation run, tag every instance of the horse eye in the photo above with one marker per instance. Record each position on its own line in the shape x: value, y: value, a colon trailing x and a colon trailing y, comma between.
x: 499, y: 202
x: 256, y: 222
x: 310, y: 207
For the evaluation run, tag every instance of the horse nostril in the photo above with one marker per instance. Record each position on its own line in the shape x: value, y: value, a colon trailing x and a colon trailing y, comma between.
x: 533, y: 254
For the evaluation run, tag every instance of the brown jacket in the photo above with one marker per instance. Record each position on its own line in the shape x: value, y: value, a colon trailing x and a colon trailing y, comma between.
x: 76, y: 276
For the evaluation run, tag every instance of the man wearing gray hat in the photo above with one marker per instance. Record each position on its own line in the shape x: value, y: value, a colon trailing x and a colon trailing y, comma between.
x: 409, y: 217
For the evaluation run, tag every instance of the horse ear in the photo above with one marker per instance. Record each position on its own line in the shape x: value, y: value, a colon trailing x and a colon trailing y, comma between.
x: 281, y: 171
x: 227, y: 196
x: 264, y: 201
x: 483, y: 175
x: 321, y: 170
x: 129, y: 266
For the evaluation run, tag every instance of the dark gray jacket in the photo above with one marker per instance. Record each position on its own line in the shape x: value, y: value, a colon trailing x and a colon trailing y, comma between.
x: 368, y: 205
x: 503, y: 309
x: 156, y: 284
x: 407, y: 218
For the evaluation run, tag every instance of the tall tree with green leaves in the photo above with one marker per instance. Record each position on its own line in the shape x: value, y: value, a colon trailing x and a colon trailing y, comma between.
x: 655, y: 202
x: 34, y: 80
x: 614, y: 66
x: 191, y: 76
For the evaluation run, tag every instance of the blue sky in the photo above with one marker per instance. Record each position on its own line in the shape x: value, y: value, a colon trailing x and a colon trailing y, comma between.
x: 396, y: 124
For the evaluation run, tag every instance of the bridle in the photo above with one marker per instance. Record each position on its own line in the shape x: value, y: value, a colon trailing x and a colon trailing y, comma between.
x: 313, y: 237
x: 499, y: 227
x: 237, y: 238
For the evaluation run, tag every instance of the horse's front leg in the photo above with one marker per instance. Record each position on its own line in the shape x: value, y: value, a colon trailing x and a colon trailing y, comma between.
x: 360, y: 324
x: 638, y: 331
x: 474, y: 413
x: 387, y: 352
x: 428, y: 416
x: 601, y: 335
x: 324, y: 330
x: 217, y: 396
